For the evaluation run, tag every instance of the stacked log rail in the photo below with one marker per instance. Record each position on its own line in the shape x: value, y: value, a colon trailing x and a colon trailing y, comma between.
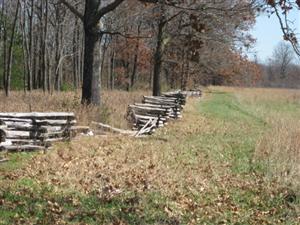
x: 155, y: 111
x: 174, y: 104
x: 142, y: 114
x: 179, y: 95
x: 193, y: 93
x: 34, y: 131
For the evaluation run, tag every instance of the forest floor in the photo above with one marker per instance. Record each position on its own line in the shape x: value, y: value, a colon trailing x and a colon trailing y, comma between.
x: 232, y: 159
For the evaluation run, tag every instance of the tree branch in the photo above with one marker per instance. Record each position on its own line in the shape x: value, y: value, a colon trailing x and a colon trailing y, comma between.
x: 173, y: 17
x: 149, y: 1
x: 124, y: 35
x: 286, y: 32
x: 72, y: 9
x: 108, y: 8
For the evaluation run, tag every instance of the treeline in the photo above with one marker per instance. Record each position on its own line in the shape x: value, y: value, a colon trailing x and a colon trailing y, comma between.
x: 282, y: 69
x: 271, y: 77
x: 49, y: 44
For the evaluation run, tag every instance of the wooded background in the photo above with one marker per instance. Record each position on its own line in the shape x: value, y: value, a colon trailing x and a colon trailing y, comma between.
x: 127, y: 44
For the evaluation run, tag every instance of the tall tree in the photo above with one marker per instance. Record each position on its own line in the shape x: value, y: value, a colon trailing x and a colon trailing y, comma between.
x: 283, y: 56
x: 175, y: 42
x: 93, y: 13
x: 10, y: 51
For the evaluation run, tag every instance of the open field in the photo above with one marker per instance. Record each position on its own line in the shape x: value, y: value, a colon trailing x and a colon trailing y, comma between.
x: 233, y: 159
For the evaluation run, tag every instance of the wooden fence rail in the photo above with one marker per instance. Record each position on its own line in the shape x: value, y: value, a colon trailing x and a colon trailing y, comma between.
x: 37, y: 131
x: 155, y: 111
x: 34, y: 131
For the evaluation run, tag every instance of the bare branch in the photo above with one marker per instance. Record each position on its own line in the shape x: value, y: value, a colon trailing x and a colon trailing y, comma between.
x: 149, y: 1
x: 106, y: 9
x: 124, y: 35
x: 72, y: 9
x: 286, y: 32
x: 173, y: 17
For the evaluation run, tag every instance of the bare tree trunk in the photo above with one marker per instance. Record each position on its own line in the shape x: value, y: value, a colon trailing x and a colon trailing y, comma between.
x: 2, y: 29
x: 103, y: 55
x: 92, y: 34
x: 35, y: 64
x: 25, y: 47
x: 58, y: 50
x: 81, y: 60
x: 91, y: 70
x: 25, y: 63
x: 182, y: 69
x: 158, y: 59
x: 49, y: 80
x: 10, y: 50
x: 44, y: 22
x: 4, y: 39
x: 173, y: 79
x: 31, y: 52
x: 108, y: 58
x: 127, y: 75
x: 4, y: 58
x: 41, y: 48
x: 186, y: 75
x: 135, y: 60
x: 151, y: 63
x: 75, y: 56
x: 57, y: 70
x: 112, y: 68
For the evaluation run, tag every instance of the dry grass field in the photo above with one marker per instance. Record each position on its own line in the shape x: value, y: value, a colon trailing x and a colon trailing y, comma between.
x: 279, y: 147
x: 113, y: 110
x: 232, y: 159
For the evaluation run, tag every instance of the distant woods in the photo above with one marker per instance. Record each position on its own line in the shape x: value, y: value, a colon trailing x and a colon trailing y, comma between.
x: 282, y: 69
x: 56, y: 45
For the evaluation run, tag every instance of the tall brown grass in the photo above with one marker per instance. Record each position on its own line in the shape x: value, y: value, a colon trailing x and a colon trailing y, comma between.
x: 137, y: 164
x: 279, y: 148
x: 280, y: 151
x: 113, y: 108
x: 255, y: 95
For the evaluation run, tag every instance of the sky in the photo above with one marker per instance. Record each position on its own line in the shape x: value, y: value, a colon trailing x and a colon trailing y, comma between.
x: 268, y: 34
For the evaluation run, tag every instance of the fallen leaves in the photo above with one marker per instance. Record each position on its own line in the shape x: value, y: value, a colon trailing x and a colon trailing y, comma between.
x: 195, y: 186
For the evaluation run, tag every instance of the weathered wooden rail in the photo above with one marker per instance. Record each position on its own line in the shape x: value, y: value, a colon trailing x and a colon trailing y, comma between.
x: 155, y: 111
x: 35, y: 131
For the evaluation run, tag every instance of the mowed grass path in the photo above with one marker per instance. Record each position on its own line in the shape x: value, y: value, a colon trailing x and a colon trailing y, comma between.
x: 199, y: 170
